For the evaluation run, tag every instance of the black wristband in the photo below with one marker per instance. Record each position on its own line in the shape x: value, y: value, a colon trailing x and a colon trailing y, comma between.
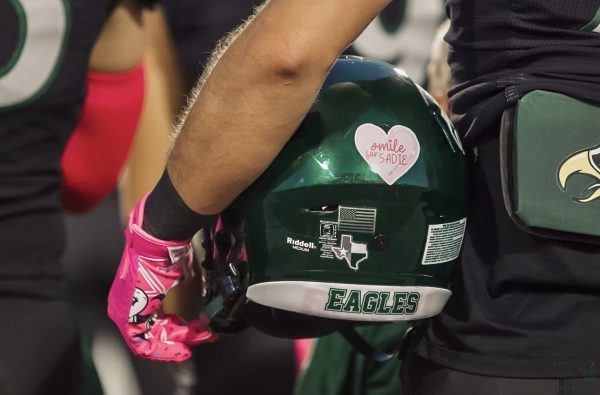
x: 167, y: 217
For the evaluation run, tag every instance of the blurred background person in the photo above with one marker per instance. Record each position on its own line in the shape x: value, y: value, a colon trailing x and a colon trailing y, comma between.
x: 58, y: 90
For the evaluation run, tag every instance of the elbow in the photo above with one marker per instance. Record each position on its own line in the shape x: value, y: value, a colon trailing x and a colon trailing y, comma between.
x: 293, y: 64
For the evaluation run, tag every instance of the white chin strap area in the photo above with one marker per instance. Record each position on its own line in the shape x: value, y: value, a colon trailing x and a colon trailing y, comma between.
x: 356, y: 302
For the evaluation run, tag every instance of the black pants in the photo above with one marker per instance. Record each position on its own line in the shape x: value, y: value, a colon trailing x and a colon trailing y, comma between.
x: 424, y: 377
x: 39, y: 348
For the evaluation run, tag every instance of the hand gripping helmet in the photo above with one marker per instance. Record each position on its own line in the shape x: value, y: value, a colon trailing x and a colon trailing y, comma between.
x: 360, y: 218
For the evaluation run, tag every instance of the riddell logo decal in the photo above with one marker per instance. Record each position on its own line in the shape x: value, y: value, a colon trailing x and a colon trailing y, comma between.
x: 301, y: 245
x: 351, y: 252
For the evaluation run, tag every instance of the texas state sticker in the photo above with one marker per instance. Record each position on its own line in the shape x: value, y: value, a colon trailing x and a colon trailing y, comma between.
x: 390, y: 155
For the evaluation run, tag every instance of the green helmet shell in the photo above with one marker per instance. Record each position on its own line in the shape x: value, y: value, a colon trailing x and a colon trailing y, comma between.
x: 362, y: 215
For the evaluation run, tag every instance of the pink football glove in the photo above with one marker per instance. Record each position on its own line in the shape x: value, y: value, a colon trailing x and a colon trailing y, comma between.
x: 149, y: 268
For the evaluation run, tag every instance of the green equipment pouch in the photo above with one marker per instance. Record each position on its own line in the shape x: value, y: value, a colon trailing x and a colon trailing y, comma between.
x: 550, y: 166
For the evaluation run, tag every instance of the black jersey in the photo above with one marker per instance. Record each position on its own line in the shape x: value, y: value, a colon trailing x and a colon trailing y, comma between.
x: 44, y: 56
x: 500, y: 50
x: 522, y: 306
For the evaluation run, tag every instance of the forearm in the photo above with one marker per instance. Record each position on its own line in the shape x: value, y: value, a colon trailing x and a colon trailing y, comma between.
x: 258, y: 93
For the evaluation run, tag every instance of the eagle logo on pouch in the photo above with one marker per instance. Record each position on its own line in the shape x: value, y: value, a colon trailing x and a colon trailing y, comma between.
x: 351, y: 252
x: 585, y: 162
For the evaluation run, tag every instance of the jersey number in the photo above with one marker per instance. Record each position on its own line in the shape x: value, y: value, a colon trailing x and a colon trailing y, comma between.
x: 43, y: 27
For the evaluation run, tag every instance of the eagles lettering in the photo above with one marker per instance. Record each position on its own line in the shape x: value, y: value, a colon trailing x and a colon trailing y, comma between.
x: 372, y: 302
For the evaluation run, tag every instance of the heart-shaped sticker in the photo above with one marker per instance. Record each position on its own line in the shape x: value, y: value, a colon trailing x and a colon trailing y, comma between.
x: 389, y: 155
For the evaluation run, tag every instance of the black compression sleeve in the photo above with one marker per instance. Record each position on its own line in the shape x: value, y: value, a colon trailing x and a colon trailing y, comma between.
x: 167, y: 217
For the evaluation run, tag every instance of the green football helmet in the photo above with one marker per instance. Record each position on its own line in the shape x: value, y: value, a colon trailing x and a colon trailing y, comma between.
x: 359, y: 219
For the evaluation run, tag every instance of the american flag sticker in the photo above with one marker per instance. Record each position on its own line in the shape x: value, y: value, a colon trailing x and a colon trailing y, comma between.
x: 356, y: 219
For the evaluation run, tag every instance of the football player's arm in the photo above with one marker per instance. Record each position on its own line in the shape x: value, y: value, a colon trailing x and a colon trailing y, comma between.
x: 121, y: 43
x: 163, y: 101
x: 96, y: 151
x: 257, y: 93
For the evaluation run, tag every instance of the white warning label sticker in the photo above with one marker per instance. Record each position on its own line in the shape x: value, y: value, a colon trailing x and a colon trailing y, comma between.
x: 444, y: 242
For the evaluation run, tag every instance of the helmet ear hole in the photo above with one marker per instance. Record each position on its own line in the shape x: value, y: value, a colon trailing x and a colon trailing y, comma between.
x: 323, y: 210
